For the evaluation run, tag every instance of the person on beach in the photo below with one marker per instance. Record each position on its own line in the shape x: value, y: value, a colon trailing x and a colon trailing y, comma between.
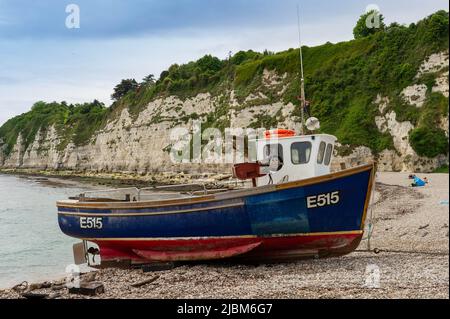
x: 418, y: 182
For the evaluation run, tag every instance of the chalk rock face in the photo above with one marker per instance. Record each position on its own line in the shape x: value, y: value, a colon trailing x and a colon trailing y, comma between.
x: 434, y: 63
x: 43, y: 152
x: 442, y: 84
x: 141, y: 145
x: 2, y: 151
x: 398, y: 130
x: 444, y: 125
x: 360, y: 155
x: 415, y: 94
x: 388, y: 160
x: 387, y: 123
x: 403, y: 158
x: 383, y: 103
x: 437, y: 63
x: 15, y: 157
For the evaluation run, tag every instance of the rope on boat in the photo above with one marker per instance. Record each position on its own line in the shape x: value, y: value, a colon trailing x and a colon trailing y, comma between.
x: 387, y: 285
x: 370, y: 224
x: 399, y: 251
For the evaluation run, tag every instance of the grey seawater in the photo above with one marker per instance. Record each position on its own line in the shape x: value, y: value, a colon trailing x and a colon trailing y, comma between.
x: 32, y: 247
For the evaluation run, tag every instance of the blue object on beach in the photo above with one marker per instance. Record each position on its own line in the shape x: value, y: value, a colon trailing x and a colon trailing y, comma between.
x: 419, y: 182
x: 443, y: 202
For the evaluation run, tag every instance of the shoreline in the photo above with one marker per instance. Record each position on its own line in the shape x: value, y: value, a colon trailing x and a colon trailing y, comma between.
x: 120, y: 179
x: 97, y: 179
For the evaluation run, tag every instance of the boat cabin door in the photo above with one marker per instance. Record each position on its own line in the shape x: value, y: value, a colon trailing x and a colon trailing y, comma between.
x: 293, y: 158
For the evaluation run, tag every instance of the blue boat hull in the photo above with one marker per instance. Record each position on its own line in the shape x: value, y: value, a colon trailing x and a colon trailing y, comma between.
x: 331, y: 207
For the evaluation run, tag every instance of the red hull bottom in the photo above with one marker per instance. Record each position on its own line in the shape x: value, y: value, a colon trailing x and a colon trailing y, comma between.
x: 264, y: 249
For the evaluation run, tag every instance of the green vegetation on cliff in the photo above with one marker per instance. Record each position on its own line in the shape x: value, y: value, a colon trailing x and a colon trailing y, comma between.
x: 442, y: 170
x: 73, y: 123
x: 342, y: 83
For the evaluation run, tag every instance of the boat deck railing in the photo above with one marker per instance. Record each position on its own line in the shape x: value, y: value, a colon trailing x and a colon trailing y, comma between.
x: 129, y: 194
x: 132, y: 194
x: 159, y: 190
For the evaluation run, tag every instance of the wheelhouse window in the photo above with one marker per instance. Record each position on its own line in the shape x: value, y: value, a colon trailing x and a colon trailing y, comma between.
x: 273, y: 157
x: 300, y: 152
x: 321, y: 153
x: 328, y: 154
x: 271, y: 150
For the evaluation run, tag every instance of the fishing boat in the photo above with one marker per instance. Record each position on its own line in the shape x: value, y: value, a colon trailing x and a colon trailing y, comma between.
x: 294, y: 208
x: 300, y: 210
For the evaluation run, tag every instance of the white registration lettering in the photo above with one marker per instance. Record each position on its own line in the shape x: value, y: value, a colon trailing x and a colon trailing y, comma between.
x: 334, y: 198
x: 83, y: 222
x: 91, y: 222
x: 311, y: 202
x: 322, y: 200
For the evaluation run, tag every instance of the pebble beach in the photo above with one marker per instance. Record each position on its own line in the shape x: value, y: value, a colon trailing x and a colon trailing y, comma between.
x: 408, y: 230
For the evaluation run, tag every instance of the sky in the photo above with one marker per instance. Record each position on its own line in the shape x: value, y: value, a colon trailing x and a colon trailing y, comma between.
x: 42, y: 59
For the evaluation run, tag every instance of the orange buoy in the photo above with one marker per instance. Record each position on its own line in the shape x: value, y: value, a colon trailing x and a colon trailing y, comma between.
x: 279, y: 133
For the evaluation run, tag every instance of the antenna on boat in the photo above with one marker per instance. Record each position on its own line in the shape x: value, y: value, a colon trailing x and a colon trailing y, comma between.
x: 302, y: 78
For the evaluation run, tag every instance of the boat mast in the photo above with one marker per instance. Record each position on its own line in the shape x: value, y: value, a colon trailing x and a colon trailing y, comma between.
x: 302, y: 78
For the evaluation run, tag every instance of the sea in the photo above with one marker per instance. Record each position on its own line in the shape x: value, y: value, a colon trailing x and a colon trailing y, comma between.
x: 32, y: 247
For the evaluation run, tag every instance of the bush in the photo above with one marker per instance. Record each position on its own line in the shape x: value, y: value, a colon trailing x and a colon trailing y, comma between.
x: 437, y: 26
x: 429, y: 142
x: 123, y: 88
x: 442, y: 170
x: 362, y: 30
x: 244, y: 56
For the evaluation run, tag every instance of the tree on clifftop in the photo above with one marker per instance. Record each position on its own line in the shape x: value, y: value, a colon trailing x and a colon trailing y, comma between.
x: 437, y: 27
x: 149, y: 80
x: 369, y: 23
x: 123, y: 88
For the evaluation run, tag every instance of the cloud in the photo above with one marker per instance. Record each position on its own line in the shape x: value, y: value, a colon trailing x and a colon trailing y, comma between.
x: 118, y: 18
x: 106, y: 19
x: 40, y: 59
